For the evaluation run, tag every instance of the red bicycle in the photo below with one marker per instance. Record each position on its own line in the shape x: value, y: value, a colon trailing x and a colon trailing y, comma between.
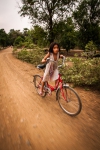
x: 66, y: 96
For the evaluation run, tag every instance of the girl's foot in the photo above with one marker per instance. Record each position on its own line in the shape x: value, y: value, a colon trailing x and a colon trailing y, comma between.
x: 41, y: 93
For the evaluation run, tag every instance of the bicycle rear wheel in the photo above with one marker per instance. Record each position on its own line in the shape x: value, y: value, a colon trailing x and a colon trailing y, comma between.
x: 69, y: 101
x: 38, y: 83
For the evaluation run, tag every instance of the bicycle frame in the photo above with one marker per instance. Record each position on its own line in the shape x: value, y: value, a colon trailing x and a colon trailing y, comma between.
x: 59, y: 84
x: 53, y: 88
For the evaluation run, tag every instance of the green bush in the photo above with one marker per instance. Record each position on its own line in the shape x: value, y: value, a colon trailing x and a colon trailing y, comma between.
x: 80, y: 72
x: 33, y: 56
x: 22, y: 54
x: 83, y: 72
x: 90, y: 46
x: 14, y: 50
x: 90, y: 49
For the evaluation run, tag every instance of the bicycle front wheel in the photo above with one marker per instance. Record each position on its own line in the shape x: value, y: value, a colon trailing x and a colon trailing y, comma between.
x: 69, y: 100
x: 38, y: 83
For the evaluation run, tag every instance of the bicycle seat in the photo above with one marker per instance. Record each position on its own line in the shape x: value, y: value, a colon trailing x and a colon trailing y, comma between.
x: 41, y: 66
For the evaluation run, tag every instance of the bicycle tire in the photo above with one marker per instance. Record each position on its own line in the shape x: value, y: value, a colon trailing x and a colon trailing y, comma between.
x: 37, y: 84
x: 69, y: 100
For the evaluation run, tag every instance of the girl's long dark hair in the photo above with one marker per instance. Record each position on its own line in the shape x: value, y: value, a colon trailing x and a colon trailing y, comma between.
x: 52, y: 45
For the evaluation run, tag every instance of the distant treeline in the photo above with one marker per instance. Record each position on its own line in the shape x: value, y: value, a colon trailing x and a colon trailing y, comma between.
x: 51, y: 22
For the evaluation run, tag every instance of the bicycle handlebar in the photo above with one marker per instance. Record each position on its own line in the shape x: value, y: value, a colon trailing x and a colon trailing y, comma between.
x: 41, y: 66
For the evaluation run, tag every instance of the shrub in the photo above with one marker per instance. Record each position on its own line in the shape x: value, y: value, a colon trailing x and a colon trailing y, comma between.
x: 90, y: 46
x: 90, y: 49
x: 80, y: 72
x: 83, y: 72
x: 33, y: 56
x: 14, y: 50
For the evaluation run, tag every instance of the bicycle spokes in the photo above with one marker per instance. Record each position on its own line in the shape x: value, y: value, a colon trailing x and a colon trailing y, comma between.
x: 69, y: 101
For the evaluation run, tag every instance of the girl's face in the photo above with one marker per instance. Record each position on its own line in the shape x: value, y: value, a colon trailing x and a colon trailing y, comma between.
x: 55, y: 49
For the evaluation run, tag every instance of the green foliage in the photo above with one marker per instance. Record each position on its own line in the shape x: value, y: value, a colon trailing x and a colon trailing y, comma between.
x: 14, y: 50
x: 79, y: 71
x: 13, y: 35
x: 65, y: 34
x: 22, y: 54
x: 38, y: 36
x: 90, y: 50
x: 31, y: 46
x: 30, y: 38
x: 33, y: 56
x: 44, y: 12
x: 87, y: 19
x: 18, y: 41
x: 90, y: 46
x: 51, y: 22
x: 82, y: 72
x: 3, y: 38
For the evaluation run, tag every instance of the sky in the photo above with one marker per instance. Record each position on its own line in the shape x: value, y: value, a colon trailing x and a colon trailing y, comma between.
x: 9, y: 17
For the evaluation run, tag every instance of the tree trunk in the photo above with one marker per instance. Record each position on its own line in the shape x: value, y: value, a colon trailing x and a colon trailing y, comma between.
x: 51, y: 35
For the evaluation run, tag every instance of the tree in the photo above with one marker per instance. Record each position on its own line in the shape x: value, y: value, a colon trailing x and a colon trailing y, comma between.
x: 18, y: 41
x: 39, y: 36
x: 65, y: 34
x: 46, y: 12
x: 35, y: 35
x: 3, y: 38
x: 87, y: 18
x: 25, y: 32
x: 13, y: 34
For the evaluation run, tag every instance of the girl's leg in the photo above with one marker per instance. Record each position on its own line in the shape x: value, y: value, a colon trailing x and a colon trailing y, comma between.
x: 41, y: 91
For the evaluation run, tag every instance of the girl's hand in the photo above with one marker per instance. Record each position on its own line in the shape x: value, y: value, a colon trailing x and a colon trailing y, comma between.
x: 43, y: 60
x: 62, y: 56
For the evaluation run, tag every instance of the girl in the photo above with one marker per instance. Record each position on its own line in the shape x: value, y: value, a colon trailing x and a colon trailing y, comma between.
x: 51, y: 71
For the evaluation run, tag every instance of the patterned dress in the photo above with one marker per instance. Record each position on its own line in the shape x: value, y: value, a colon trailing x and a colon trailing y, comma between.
x: 51, y: 72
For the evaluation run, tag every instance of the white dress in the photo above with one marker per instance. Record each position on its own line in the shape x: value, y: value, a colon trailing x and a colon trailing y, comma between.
x: 51, y: 72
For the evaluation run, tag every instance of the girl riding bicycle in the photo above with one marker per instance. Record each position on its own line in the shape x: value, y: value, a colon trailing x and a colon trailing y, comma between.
x: 51, y: 72
x: 67, y: 97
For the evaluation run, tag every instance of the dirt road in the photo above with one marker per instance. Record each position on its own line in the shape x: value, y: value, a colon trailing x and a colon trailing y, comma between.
x: 29, y: 122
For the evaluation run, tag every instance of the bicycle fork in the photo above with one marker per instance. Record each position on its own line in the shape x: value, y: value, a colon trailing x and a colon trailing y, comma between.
x: 63, y: 93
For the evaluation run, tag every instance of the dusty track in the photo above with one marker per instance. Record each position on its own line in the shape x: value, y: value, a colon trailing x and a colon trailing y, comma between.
x: 29, y: 122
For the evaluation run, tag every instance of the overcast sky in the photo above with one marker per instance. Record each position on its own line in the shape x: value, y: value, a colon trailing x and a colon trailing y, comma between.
x: 9, y: 17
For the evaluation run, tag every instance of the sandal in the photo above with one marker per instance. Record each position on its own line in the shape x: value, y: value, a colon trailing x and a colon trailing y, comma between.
x: 41, y: 93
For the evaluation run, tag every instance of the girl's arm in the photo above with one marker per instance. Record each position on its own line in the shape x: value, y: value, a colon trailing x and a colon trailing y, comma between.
x: 62, y: 56
x: 45, y: 57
